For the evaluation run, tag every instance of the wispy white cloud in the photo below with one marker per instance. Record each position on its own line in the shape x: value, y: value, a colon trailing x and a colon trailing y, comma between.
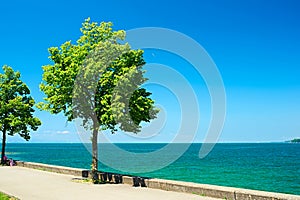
x: 62, y: 132
x: 53, y: 132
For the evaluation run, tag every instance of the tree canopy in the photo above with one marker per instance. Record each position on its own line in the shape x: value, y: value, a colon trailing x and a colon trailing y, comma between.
x: 116, y: 66
x: 16, y: 107
x: 99, y: 80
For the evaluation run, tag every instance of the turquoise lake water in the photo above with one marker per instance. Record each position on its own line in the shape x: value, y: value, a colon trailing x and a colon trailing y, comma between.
x: 270, y: 167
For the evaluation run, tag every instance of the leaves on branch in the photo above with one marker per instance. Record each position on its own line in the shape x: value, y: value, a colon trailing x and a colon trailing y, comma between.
x: 16, y: 105
x: 98, y: 79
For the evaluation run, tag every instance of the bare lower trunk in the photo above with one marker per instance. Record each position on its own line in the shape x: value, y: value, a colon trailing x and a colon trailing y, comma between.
x: 95, y: 155
x: 3, y: 146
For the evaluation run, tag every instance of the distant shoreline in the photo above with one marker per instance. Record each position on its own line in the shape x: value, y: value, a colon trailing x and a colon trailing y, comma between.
x: 296, y: 140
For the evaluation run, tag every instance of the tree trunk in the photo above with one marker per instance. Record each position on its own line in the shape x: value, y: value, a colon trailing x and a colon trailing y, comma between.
x: 94, y: 174
x: 3, y: 145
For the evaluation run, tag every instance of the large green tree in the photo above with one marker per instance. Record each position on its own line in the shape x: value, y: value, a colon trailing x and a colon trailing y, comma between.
x: 16, y: 107
x: 98, y: 80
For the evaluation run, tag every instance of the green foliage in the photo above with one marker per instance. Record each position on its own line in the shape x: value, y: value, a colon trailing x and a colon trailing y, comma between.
x: 6, y: 197
x: 296, y: 140
x: 16, y: 105
x: 98, y: 79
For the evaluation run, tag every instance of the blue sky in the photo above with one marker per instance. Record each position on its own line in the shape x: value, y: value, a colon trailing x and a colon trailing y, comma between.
x: 255, y: 45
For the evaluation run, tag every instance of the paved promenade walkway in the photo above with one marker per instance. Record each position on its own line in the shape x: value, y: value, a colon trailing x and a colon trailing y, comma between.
x: 30, y: 184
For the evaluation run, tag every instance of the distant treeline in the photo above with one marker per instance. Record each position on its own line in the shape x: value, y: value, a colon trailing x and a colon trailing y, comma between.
x: 296, y: 140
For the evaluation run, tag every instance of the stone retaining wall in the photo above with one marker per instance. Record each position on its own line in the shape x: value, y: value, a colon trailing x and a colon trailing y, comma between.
x: 217, y: 191
x: 177, y: 186
x: 54, y: 168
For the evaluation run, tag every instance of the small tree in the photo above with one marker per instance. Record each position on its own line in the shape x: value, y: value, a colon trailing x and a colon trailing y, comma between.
x: 98, y: 80
x: 16, y: 107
